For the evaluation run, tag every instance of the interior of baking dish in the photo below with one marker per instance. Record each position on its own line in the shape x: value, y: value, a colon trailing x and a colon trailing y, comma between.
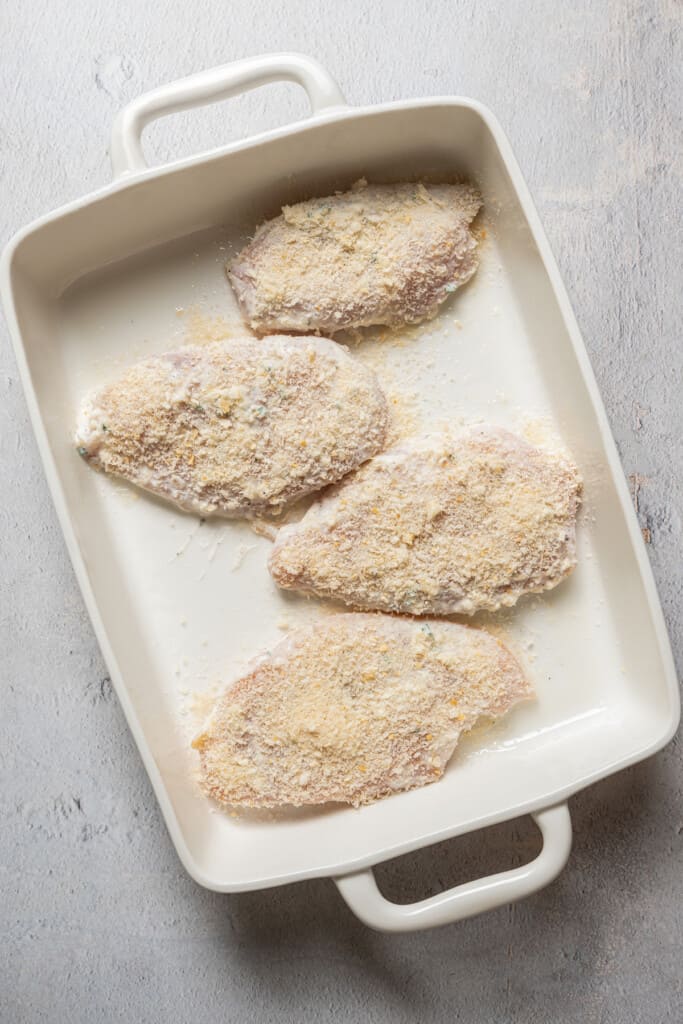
x: 181, y: 606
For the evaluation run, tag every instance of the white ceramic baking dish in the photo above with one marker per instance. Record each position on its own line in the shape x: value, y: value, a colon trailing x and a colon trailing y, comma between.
x: 177, y: 606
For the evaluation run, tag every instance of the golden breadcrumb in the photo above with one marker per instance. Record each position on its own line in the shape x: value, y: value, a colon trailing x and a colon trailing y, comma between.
x: 439, y: 525
x: 236, y: 427
x: 379, y: 254
x: 353, y: 709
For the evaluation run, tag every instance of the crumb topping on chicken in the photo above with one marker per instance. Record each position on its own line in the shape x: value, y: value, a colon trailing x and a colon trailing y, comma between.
x: 440, y: 524
x: 378, y: 254
x: 237, y: 427
x: 353, y: 709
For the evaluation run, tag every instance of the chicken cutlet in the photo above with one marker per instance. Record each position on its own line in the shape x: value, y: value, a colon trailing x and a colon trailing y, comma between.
x: 378, y: 254
x: 438, y: 525
x: 352, y: 709
x: 238, y: 427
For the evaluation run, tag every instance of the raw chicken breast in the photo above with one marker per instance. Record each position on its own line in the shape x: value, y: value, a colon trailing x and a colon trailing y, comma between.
x: 379, y: 254
x: 236, y: 427
x: 439, y: 525
x: 353, y: 709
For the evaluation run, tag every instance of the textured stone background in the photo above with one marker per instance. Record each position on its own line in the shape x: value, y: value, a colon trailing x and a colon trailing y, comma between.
x: 99, y: 921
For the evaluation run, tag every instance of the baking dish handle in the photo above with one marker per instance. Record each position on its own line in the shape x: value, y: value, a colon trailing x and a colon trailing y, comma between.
x: 211, y: 86
x: 360, y: 891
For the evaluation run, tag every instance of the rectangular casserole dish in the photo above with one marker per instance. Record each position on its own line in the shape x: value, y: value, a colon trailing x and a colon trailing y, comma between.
x: 178, y: 606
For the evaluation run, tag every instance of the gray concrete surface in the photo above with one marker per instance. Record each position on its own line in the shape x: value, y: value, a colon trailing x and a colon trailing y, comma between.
x: 99, y: 921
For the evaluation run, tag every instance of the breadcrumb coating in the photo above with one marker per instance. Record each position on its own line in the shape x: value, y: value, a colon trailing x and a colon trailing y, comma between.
x: 439, y: 525
x: 378, y: 254
x: 352, y: 709
x: 237, y: 427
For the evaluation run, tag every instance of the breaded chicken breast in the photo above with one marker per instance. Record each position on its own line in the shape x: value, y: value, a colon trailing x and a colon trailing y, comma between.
x: 354, y: 708
x: 439, y: 525
x: 379, y: 254
x: 236, y: 427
